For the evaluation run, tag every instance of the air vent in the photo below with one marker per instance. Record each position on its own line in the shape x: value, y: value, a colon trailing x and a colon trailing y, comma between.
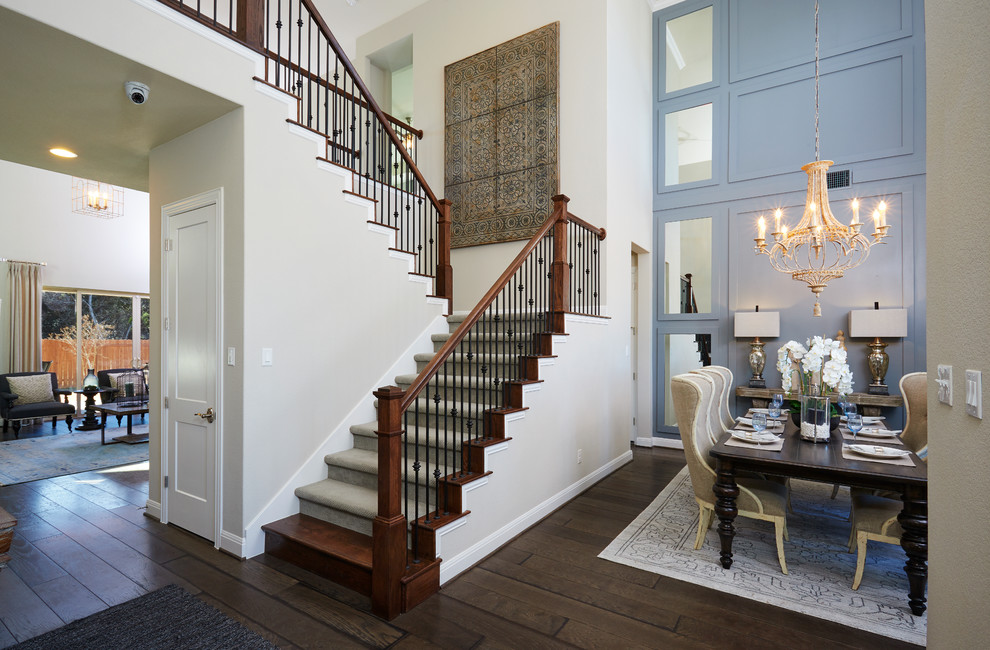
x: 841, y: 178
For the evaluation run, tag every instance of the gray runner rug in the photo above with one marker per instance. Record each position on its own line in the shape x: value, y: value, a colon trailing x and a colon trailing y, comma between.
x: 661, y: 540
x: 169, y: 618
x: 33, y: 459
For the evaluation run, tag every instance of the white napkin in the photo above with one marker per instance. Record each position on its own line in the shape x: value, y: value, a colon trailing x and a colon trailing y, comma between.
x: 867, y: 419
x: 772, y: 425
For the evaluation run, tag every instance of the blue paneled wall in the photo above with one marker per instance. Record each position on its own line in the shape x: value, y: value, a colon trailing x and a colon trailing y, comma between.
x: 872, y: 123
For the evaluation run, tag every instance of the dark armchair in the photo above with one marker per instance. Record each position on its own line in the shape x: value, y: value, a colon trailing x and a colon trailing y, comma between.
x: 27, y: 395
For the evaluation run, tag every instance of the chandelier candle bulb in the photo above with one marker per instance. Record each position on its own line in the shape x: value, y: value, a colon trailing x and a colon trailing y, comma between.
x: 855, y: 207
x: 763, y: 228
x: 776, y: 219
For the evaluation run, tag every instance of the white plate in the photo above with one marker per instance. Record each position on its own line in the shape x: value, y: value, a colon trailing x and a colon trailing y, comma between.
x: 879, y: 452
x: 871, y: 432
x: 763, y: 438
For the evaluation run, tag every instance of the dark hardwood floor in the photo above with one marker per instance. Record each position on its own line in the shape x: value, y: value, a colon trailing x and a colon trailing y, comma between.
x: 83, y: 544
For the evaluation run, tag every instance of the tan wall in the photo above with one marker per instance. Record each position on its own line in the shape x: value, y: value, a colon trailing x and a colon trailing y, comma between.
x: 958, y: 108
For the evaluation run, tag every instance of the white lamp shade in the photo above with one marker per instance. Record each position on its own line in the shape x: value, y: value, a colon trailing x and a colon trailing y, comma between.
x: 883, y: 323
x: 751, y: 324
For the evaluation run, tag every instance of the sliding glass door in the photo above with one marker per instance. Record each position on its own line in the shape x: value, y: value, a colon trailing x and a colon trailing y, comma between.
x: 84, y: 330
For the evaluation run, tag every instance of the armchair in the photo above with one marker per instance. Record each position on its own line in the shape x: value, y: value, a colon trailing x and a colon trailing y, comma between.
x: 30, y: 395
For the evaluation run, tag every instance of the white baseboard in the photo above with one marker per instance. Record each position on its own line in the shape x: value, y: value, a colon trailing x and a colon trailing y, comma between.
x: 451, y: 568
x: 232, y: 544
x: 669, y: 443
x: 154, y: 509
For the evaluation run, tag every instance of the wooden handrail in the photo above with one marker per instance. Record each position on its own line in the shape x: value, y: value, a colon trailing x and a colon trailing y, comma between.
x: 296, y: 68
x: 599, y: 232
x: 376, y: 109
x: 558, y: 215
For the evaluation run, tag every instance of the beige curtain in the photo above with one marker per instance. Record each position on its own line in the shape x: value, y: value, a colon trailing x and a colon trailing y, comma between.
x: 25, y: 316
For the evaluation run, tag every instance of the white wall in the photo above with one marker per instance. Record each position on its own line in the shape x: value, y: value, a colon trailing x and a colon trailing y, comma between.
x: 958, y: 110
x: 82, y: 252
x: 302, y: 272
x: 604, y: 134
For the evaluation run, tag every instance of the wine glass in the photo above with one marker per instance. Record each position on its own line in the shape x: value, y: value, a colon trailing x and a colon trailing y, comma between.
x: 849, y: 409
x: 760, y: 422
x: 778, y: 399
x: 774, y: 410
x: 855, y: 423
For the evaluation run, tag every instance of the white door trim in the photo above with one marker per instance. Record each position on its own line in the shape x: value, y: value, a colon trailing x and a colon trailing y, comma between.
x: 207, y: 198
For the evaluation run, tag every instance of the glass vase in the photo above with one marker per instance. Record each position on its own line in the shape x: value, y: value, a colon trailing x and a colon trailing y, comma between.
x: 90, y: 381
x: 815, y: 423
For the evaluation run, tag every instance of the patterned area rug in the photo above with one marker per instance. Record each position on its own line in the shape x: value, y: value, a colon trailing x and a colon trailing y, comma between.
x: 661, y: 540
x: 32, y: 459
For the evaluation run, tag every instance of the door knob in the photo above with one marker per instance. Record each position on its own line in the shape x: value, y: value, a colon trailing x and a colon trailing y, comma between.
x: 208, y: 416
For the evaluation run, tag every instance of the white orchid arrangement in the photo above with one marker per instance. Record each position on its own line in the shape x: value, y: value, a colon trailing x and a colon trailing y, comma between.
x: 819, y: 362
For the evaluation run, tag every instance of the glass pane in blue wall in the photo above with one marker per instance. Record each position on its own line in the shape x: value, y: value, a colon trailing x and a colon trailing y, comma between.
x: 689, y: 50
x: 688, y: 145
x: 688, y: 266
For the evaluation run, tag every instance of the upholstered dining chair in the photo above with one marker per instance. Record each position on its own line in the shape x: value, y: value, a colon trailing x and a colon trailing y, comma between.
x: 914, y: 390
x: 711, y: 422
x: 723, y: 382
x: 874, y: 518
x: 758, y: 498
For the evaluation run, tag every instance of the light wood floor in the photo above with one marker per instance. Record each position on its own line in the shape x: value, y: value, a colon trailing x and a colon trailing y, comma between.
x: 83, y: 544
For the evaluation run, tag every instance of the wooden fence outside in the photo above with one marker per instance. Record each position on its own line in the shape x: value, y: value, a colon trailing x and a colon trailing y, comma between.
x: 113, y: 353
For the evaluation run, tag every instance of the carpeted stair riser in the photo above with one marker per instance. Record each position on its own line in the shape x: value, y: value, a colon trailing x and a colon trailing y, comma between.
x: 491, y: 344
x: 451, y: 447
x: 476, y: 389
x: 503, y: 368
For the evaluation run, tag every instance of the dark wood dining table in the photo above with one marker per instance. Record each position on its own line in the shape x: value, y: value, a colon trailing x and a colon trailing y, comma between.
x: 824, y: 462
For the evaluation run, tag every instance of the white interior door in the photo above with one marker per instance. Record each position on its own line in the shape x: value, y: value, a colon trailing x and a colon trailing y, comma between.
x: 192, y: 319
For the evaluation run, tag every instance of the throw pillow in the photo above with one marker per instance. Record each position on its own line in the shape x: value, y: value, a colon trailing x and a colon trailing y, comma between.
x: 31, y: 389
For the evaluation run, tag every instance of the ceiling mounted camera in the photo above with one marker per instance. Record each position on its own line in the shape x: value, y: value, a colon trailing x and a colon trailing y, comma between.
x: 136, y: 92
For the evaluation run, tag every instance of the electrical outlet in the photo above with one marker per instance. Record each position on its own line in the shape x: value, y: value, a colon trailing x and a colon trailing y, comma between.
x: 944, y: 381
x: 974, y: 393
x: 579, y: 456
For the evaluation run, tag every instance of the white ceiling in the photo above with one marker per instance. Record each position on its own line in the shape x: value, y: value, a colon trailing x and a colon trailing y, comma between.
x: 59, y: 90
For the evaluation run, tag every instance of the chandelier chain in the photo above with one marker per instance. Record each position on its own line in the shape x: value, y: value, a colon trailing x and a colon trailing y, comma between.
x: 817, y: 155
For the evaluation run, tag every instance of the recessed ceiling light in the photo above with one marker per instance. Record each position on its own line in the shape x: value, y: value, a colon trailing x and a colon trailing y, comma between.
x: 62, y: 153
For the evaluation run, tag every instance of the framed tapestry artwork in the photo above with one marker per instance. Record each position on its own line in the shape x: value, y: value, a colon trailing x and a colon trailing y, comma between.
x: 500, y: 140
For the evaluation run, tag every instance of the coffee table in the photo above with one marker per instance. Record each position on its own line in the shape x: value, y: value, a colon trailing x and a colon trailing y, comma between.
x: 129, y: 412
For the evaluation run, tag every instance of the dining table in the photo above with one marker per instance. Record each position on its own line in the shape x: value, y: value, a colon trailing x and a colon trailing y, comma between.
x: 829, y: 462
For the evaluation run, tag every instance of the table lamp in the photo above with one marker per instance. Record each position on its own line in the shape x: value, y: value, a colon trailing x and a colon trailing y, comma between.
x: 877, y: 323
x: 756, y: 324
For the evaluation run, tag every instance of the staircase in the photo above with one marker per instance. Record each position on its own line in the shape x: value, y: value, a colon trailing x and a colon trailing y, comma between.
x: 373, y: 523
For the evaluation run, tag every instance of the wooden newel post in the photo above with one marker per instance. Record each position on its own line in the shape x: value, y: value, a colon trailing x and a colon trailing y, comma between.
x: 389, y: 527
x: 251, y: 23
x: 560, y: 281
x: 445, y: 272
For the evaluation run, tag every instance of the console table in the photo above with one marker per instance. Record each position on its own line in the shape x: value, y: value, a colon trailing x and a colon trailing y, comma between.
x: 871, y: 404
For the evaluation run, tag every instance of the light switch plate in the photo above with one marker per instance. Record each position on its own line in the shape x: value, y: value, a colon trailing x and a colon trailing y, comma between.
x: 974, y: 393
x: 944, y: 381
x: 231, y: 356
x: 266, y: 356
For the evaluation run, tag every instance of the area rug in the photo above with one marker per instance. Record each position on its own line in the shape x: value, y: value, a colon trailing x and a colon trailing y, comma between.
x: 32, y: 459
x: 167, y: 618
x: 661, y: 540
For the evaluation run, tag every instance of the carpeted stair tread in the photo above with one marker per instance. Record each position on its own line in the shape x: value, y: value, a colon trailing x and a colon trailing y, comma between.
x: 366, y: 462
x: 338, y: 495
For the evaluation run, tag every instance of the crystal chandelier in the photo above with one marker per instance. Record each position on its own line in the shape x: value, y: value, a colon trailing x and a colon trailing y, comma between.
x: 819, y: 248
